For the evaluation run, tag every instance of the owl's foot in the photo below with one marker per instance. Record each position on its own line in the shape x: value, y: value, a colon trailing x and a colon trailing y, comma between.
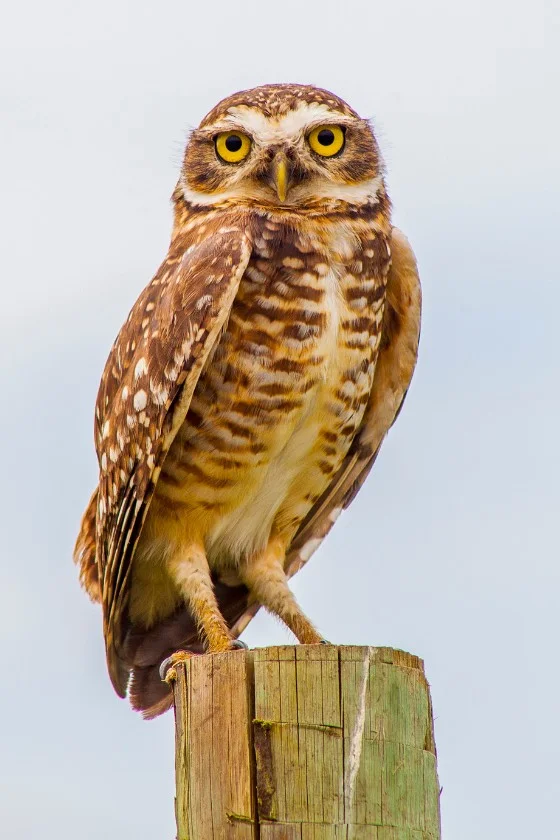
x: 324, y: 642
x: 167, y: 671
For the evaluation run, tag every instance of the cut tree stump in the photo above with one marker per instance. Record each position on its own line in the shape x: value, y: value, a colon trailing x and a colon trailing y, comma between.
x: 305, y: 743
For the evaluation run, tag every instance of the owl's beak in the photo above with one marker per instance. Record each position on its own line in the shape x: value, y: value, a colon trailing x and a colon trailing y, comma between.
x: 280, y: 176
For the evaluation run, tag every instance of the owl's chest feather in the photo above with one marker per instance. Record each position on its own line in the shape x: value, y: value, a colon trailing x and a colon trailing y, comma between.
x: 277, y: 407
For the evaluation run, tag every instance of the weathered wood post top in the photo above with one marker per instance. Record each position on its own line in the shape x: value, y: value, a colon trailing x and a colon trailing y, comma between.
x: 305, y: 743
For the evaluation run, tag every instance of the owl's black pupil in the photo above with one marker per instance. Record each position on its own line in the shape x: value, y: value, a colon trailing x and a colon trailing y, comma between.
x: 326, y: 137
x: 233, y: 143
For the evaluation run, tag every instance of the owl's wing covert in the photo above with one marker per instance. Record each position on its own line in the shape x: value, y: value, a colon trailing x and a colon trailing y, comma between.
x: 145, y: 392
x: 393, y: 372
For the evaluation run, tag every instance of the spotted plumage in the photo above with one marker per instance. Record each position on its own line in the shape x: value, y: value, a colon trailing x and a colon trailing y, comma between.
x: 248, y: 392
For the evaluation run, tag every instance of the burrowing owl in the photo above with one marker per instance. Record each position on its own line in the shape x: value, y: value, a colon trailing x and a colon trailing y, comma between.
x: 246, y: 397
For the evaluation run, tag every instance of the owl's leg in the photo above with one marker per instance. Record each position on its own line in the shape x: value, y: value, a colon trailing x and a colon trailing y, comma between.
x: 266, y: 580
x: 189, y: 570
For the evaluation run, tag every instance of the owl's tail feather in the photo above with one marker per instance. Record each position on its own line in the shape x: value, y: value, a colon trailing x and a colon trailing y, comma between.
x: 84, y: 551
x: 148, y: 693
x: 145, y: 649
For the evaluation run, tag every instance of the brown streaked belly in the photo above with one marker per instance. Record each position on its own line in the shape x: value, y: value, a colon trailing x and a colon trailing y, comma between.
x: 272, y: 416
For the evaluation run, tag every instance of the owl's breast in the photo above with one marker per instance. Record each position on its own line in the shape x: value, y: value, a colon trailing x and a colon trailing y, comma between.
x: 277, y: 407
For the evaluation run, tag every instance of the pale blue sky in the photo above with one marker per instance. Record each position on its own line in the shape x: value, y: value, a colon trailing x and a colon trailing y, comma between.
x: 451, y: 550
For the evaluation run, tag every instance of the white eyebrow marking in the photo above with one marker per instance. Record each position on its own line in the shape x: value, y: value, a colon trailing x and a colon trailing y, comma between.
x: 268, y: 129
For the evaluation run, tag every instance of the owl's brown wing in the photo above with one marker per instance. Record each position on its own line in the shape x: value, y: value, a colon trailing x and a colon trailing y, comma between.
x: 393, y: 372
x: 144, y: 396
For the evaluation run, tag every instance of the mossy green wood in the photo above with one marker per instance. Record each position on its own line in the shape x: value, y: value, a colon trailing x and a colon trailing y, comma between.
x: 305, y: 743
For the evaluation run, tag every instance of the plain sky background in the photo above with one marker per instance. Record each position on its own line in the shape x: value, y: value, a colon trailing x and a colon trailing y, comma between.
x: 451, y: 549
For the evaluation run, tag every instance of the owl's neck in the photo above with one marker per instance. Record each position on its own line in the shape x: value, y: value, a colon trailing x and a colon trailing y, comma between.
x: 375, y: 213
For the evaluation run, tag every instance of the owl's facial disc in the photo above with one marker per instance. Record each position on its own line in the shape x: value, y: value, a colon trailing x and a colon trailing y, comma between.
x: 307, y: 157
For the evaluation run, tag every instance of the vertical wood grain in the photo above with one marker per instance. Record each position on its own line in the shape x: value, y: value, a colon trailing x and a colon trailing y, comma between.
x: 305, y: 743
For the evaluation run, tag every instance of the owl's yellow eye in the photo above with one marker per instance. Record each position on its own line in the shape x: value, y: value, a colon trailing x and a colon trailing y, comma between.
x: 232, y: 146
x: 326, y: 140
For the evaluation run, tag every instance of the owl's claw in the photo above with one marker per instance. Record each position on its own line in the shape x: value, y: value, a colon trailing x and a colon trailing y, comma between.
x: 324, y: 642
x: 167, y: 670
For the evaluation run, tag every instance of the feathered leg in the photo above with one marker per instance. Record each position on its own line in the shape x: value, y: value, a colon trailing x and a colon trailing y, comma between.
x: 189, y: 569
x: 266, y: 580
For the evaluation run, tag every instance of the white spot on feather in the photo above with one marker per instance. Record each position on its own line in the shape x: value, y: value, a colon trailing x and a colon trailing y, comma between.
x: 348, y: 389
x: 159, y: 392
x: 309, y: 547
x: 141, y: 368
x: 140, y: 400
x: 203, y: 301
x: 293, y: 262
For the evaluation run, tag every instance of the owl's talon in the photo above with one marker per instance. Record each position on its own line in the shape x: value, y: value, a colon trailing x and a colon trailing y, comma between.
x: 167, y: 670
x: 324, y: 642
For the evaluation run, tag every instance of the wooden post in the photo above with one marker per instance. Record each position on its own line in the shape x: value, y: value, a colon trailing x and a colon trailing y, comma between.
x: 305, y: 743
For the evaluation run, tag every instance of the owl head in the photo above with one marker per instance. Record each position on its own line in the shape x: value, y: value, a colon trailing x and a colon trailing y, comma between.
x: 282, y: 147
